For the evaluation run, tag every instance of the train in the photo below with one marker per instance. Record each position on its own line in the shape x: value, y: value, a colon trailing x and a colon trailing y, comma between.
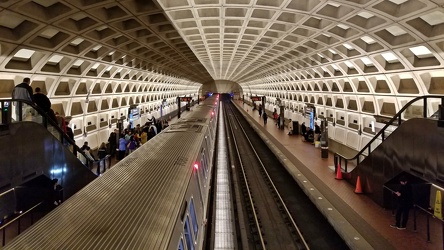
x: 158, y: 197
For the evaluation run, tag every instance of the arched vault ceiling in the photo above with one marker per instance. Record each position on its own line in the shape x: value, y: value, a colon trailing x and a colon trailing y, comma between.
x: 245, y: 41
x: 128, y: 33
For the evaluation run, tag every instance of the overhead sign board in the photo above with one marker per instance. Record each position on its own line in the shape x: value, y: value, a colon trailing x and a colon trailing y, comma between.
x: 256, y: 98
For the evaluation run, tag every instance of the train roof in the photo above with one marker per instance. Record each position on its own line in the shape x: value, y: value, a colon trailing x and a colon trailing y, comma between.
x: 134, y: 205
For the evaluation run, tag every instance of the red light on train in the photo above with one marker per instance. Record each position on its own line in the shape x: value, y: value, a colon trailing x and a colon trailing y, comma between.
x: 212, y: 113
x: 196, y: 166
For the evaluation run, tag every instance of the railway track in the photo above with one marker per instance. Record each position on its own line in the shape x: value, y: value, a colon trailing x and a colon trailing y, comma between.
x: 277, y: 212
x: 271, y: 224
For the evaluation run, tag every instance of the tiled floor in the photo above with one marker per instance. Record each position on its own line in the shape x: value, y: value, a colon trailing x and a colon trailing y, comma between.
x: 373, y: 217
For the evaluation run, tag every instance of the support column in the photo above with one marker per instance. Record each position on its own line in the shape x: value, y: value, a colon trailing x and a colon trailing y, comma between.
x: 324, y: 138
x: 281, y: 116
x: 178, y: 107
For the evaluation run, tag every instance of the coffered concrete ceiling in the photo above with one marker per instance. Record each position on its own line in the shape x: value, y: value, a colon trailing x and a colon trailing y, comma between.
x: 236, y: 40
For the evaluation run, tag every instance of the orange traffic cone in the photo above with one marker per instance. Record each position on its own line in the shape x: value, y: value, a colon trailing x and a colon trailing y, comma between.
x: 338, y: 173
x: 358, y: 188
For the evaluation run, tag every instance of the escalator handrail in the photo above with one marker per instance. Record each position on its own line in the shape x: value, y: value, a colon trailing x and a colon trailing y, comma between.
x: 48, y: 120
x: 20, y: 216
x: 389, y: 123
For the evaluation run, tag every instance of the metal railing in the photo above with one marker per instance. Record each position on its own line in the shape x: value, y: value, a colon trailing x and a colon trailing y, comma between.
x: 18, y: 220
x: 104, y: 163
x: 338, y: 158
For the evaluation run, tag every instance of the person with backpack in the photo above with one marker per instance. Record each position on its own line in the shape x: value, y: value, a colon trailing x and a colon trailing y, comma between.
x: 131, y: 145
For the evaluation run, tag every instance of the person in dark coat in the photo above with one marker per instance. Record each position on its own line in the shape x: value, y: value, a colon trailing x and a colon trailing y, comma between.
x: 304, y: 130
x: 54, y: 197
x: 265, y: 117
x: 405, y: 202
x: 112, y: 140
x: 317, y: 132
x: 70, y: 134
x: 102, y: 152
x: 69, y: 131
x: 42, y: 100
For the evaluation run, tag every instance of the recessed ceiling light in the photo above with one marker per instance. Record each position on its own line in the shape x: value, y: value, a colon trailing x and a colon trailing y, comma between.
x: 433, y: 18
x: 348, y: 46
x: 421, y: 51
x: 365, y: 15
x: 389, y: 57
x: 24, y: 53
x: 368, y: 39
x: 55, y: 59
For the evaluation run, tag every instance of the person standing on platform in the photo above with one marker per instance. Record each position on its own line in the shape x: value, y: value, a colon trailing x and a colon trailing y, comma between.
x: 122, y: 147
x: 317, y: 132
x: 144, y: 136
x: 265, y: 117
x: 304, y: 130
x: 102, y: 152
x: 23, y: 91
x: 153, y: 126
x: 405, y: 202
x: 131, y: 146
x: 290, y: 127
x: 112, y: 140
x: 260, y: 110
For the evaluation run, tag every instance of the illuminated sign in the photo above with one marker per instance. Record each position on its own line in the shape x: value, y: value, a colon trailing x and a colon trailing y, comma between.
x: 310, y: 113
x: 186, y: 99
x: 134, y: 114
x: 256, y: 98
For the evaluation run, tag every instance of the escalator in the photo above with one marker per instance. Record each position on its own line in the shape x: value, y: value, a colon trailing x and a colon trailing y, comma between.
x: 414, y: 148
x: 30, y: 150
x: 34, y: 151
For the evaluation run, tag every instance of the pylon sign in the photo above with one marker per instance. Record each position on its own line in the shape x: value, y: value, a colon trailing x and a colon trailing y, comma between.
x: 438, y: 205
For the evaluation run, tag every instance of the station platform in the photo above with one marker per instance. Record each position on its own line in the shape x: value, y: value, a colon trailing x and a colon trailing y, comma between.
x: 360, y: 219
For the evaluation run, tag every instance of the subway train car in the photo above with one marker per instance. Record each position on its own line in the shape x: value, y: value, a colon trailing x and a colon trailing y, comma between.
x: 155, y: 198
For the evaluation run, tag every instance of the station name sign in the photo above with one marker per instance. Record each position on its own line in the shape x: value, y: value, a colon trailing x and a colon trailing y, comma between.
x: 256, y: 98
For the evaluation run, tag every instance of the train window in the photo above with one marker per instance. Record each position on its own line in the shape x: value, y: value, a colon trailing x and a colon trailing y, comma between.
x: 181, y: 245
x: 202, y: 164
x: 194, y: 219
x: 188, y: 237
x: 199, y: 185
